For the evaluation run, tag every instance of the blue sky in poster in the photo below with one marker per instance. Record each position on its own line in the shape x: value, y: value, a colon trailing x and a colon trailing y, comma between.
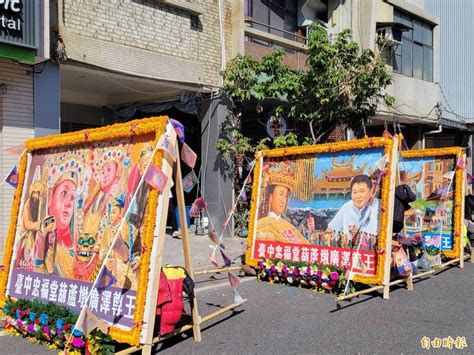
x: 369, y: 156
x: 324, y: 162
x: 412, y: 166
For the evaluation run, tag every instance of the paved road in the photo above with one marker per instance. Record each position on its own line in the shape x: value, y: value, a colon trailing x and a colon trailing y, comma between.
x: 280, y: 319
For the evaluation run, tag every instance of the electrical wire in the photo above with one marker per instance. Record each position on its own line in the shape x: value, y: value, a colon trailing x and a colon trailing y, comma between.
x: 451, y: 110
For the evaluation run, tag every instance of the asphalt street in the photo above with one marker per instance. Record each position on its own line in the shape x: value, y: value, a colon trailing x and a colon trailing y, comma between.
x: 280, y: 319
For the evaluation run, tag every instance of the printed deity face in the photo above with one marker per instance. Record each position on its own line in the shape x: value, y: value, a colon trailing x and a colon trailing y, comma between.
x: 85, y: 246
x: 278, y: 199
x: 115, y: 214
x: 145, y: 156
x: 61, y: 205
x: 361, y: 194
x: 109, y: 173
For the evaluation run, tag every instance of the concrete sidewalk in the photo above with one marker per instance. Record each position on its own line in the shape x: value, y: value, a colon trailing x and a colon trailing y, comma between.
x: 201, y: 251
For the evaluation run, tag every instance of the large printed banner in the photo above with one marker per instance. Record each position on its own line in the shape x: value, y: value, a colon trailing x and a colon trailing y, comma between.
x: 436, y: 176
x: 326, y: 205
x: 71, y: 201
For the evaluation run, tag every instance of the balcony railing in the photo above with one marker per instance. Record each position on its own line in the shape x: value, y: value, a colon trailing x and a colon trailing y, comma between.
x: 263, y: 39
x: 274, y: 37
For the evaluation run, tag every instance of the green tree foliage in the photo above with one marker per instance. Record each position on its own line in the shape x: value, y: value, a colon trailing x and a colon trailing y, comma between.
x: 342, y: 85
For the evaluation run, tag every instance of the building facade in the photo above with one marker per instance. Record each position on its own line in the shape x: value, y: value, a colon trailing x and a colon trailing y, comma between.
x: 406, y: 33
x: 24, y: 71
x: 100, y: 62
x: 456, y: 73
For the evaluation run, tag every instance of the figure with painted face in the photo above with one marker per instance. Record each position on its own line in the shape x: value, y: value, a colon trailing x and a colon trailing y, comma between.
x: 61, y: 207
x: 274, y: 226
x: 137, y: 211
x: 30, y: 225
x: 124, y: 258
x: 46, y: 246
x: 360, y: 214
x: 107, y: 173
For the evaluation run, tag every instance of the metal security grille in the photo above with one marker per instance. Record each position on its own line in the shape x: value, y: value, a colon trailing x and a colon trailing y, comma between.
x: 449, y: 140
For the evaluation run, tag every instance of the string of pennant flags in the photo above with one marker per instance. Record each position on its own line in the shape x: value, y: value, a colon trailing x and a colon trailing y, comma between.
x: 189, y: 157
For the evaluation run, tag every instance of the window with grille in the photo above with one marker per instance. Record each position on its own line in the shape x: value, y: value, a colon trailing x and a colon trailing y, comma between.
x: 415, y: 55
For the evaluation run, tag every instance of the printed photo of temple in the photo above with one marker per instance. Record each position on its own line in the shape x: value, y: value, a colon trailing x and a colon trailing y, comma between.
x: 334, y: 182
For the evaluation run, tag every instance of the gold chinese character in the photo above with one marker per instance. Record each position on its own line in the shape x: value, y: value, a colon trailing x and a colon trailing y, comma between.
x: 460, y: 343
x: 448, y: 342
x: 425, y: 343
x: 436, y: 343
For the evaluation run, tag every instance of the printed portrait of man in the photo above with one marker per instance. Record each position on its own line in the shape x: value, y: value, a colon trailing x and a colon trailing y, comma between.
x: 361, y: 213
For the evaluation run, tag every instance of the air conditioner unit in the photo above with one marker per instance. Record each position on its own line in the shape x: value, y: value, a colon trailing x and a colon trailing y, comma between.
x: 389, y: 36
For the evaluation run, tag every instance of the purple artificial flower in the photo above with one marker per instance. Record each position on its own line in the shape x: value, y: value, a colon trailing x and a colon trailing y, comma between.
x: 273, y: 268
x: 30, y: 327
x: 284, y: 269
x: 319, y: 273
x: 261, y: 265
x: 308, y: 270
x: 46, y: 329
x: 78, y: 342
x: 19, y: 323
x: 296, y: 272
x: 334, y: 275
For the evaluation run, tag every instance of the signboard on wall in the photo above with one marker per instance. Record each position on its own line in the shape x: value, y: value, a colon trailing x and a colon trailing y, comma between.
x: 19, y: 23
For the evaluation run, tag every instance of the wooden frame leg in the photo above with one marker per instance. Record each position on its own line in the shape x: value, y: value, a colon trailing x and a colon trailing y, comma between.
x: 410, y: 282
x: 187, y: 254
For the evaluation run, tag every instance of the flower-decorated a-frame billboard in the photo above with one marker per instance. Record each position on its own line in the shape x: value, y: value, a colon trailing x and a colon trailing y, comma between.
x: 436, y: 176
x: 73, y: 193
x: 324, y: 205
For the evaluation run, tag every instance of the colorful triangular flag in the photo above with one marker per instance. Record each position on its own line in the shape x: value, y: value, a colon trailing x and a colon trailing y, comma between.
x: 168, y: 147
x: 233, y: 280
x: 188, y: 156
x: 358, y: 264
x: 243, y: 195
x: 88, y: 321
x: 156, y: 178
x: 461, y: 163
x: 386, y: 134
x: 449, y: 175
x: 12, y: 177
x: 470, y: 179
x: 214, y: 259
x: 238, y: 300
x: 16, y: 150
x: 179, y: 128
x: 189, y: 181
x: 106, y: 279
x: 382, y: 162
x: 214, y: 237
x: 121, y: 248
x: 226, y: 257
x: 198, y: 205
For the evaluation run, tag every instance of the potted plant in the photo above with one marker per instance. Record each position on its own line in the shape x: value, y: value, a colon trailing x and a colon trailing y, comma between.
x: 241, y: 219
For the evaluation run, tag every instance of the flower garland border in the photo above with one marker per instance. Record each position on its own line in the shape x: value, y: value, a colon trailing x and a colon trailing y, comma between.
x: 366, y: 143
x: 459, y: 180
x: 138, y: 127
